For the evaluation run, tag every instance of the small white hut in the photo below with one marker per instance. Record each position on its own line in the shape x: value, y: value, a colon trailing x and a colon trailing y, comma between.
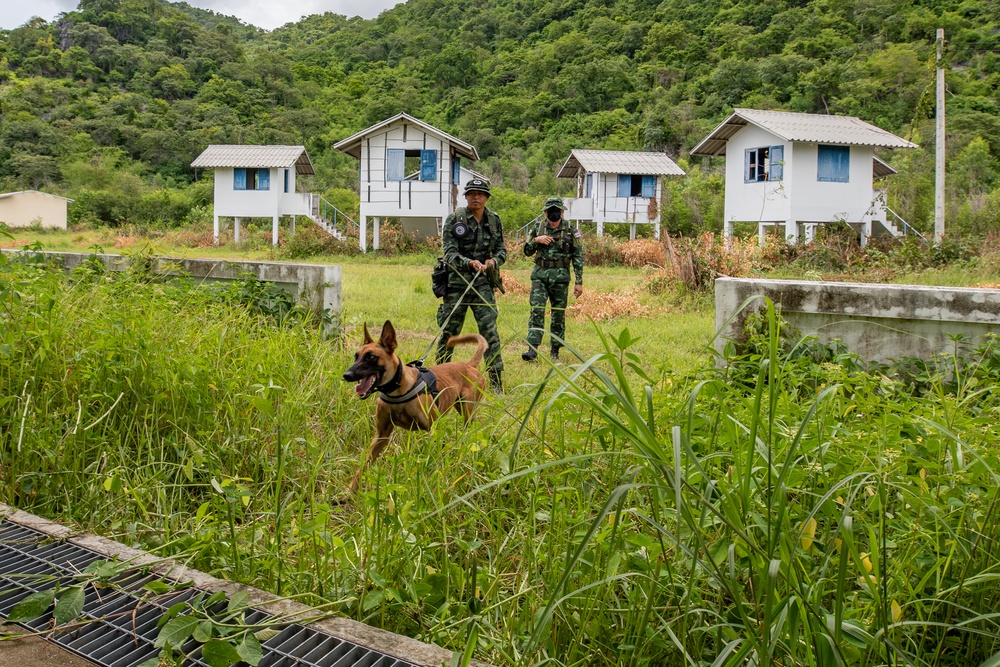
x: 408, y: 169
x: 259, y: 182
x: 617, y: 187
x: 28, y: 207
x: 802, y: 170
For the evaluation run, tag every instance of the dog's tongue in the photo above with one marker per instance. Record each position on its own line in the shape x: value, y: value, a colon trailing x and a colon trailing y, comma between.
x: 362, y: 388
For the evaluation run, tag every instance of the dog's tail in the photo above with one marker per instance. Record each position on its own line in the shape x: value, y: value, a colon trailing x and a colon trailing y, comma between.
x: 469, y: 339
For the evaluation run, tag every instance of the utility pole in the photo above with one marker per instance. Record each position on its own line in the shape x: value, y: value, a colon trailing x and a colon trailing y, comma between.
x: 939, y: 146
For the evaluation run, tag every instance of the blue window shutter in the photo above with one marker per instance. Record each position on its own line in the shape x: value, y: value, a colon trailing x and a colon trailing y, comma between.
x: 239, y: 178
x: 649, y: 186
x: 456, y: 170
x: 843, y: 164
x: 286, y: 180
x: 428, y: 165
x: 833, y: 164
x: 395, y: 160
x: 263, y: 179
x: 747, y: 176
x: 777, y: 157
x: 587, y: 184
x: 624, y: 185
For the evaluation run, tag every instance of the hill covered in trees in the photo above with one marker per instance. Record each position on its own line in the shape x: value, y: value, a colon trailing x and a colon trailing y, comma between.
x: 110, y: 103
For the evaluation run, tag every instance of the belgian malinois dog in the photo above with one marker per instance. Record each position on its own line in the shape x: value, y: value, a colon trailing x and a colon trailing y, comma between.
x: 410, y: 397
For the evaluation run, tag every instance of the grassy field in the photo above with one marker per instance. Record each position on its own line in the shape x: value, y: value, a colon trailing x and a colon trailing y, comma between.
x: 638, y: 508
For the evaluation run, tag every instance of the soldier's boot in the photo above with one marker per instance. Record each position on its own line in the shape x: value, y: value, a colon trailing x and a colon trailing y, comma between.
x: 496, y: 382
x: 530, y: 354
x: 554, y: 354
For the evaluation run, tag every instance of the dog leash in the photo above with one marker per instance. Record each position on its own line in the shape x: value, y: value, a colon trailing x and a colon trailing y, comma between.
x: 420, y: 362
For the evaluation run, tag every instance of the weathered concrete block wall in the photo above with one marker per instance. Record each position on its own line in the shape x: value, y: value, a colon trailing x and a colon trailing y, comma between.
x: 876, y: 322
x: 316, y: 286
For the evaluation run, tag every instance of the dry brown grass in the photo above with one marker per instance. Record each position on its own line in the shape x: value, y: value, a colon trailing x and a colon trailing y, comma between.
x: 512, y: 285
x: 14, y: 243
x: 643, y: 252
x: 601, y: 306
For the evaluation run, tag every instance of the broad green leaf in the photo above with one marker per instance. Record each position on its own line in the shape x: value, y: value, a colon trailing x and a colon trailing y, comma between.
x: 171, y: 612
x: 32, y: 606
x: 237, y: 601
x: 250, y: 650
x: 157, y: 587
x: 203, y: 632
x: 177, y: 631
x: 218, y: 653
x: 70, y: 605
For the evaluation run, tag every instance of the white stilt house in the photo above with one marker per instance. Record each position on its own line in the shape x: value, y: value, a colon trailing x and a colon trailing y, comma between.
x: 617, y: 187
x: 259, y: 182
x: 798, y: 171
x: 408, y: 170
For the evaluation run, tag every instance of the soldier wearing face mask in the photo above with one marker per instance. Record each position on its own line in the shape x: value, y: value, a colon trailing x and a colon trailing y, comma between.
x: 556, y: 246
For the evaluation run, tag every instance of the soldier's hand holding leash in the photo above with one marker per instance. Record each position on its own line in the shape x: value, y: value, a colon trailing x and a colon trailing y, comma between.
x: 544, y: 240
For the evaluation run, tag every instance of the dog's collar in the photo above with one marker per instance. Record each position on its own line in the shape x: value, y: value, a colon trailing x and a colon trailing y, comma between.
x: 393, y: 384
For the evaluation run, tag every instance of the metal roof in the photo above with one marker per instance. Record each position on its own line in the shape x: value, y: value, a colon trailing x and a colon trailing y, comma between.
x: 881, y: 168
x: 618, y: 162
x: 238, y: 155
x: 352, y: 144
x: 24, y: 192
x: 807, y: 127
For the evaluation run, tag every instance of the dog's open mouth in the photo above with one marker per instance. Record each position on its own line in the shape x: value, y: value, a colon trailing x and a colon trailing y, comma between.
x: 365, y: 386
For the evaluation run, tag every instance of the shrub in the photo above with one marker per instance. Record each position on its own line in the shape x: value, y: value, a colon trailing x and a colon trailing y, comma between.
x: 643, y: 252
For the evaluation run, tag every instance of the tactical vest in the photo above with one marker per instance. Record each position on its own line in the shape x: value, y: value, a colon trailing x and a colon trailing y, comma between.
x: 476, y: 244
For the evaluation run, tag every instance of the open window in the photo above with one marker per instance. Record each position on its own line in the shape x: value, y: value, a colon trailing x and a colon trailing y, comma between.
x: 636, y: 185
x: 251, y: 178
x: 764, y: 164
x: 404, y: 164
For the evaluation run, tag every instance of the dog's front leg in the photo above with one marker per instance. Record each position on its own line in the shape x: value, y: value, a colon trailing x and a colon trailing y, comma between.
x: 383, y: 430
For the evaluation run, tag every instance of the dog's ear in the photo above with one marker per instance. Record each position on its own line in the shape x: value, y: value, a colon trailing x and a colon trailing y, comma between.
x: 388, y: 339
x: 368, y: 336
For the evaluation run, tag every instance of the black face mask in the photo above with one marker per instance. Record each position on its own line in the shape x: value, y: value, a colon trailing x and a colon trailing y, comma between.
x: 553, y: 214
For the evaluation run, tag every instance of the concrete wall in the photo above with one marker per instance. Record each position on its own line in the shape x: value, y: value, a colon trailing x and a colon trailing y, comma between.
x: 877, y: 322
x: 316, y: 286
x: 22, y: 208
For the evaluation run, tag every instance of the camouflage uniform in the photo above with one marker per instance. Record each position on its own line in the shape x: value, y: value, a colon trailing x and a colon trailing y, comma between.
x: 464, y: 240
x: 550, y: 278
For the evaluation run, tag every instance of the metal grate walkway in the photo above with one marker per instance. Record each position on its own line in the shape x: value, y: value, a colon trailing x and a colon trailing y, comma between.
x: 121, y: 627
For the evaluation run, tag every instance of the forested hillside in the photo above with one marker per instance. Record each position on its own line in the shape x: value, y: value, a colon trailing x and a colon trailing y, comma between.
x: 109, y: 104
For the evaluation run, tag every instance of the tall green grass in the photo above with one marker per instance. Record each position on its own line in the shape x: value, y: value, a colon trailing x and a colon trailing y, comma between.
x: 612, y: 510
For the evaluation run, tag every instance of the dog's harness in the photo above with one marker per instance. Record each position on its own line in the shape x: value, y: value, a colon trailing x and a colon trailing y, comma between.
x: 426, y: 384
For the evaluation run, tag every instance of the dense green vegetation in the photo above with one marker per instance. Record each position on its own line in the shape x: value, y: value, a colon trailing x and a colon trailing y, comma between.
x: 110, y: 103
x: 793, y: 509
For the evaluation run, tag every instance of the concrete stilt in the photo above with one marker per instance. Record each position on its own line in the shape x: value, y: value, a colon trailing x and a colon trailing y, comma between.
x: 274, y: 230
x: 376, y: 221
x: 236, y: 230
x: 215, y: 228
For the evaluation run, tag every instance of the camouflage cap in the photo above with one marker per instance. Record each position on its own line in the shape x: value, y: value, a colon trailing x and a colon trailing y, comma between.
x: 554, y: 202
x: 477, y: 185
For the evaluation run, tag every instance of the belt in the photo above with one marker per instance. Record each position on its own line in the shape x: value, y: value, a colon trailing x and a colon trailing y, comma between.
x: 552, y: 263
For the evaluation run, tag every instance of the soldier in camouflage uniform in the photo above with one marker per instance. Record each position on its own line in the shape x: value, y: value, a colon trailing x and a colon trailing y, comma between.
x: 474, y: 250
x: 556, y: 246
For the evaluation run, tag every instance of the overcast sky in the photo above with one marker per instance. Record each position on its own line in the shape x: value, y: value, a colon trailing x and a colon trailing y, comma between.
x: 262, y: 13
